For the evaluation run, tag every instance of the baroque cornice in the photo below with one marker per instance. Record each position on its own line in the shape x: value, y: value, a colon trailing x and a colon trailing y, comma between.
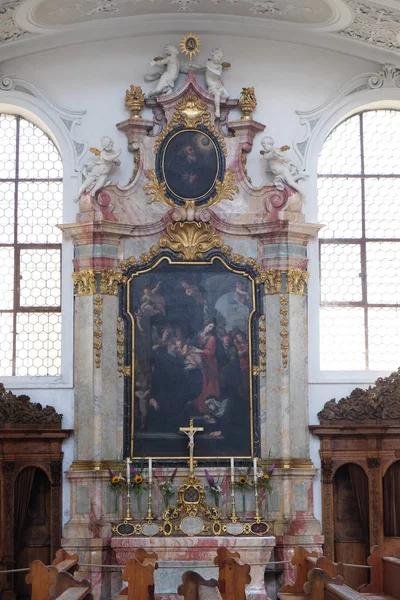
x: 387, y: 77
x: 379, y: 402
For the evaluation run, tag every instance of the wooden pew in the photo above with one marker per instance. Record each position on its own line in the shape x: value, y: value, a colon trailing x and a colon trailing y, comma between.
x: 66, y: 587
x: 320, y: 586
x: 195, y: 587
x: 385, y: 576
x: 42, y: 578
x: 233, y: 575
x: 139, y: 574
x: 304, y: 562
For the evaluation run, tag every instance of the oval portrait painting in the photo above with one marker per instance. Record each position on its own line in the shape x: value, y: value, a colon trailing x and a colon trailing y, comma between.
x: 190, y: 165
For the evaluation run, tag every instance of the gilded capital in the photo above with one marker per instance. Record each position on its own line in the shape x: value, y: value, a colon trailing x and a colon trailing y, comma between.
x: 109, y: 281
x: 296, y: 281
x: 84, y: 282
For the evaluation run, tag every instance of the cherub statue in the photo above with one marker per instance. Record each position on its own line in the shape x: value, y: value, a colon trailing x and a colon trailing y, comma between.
x: 213, y: 70
x: 167, y: 78
x: 96, y: 173
x: 283, y: 170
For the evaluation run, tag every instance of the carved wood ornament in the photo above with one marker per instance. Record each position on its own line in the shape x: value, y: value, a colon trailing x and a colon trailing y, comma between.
x: 30, y: 436
x: 364, y: 429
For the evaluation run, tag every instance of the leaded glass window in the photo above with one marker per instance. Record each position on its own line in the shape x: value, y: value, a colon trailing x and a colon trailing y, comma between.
x: 359, y: 204
x: 30, y: 250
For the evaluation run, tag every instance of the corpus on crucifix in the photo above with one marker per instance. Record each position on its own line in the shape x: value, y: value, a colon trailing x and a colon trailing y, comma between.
x: 190, y: 432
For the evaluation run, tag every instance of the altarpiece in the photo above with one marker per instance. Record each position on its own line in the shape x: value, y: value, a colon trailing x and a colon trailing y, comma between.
x: 201, y: 322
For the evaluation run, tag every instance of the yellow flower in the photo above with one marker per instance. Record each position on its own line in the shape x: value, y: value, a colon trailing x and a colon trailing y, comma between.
x: 138, y: 479
x: 266, y: 476
x: 242, y: 480
x: 116, y: 479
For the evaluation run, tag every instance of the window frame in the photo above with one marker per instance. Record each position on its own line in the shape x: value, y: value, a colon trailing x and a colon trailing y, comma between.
x: 360, y: 375
x: 17, y: 308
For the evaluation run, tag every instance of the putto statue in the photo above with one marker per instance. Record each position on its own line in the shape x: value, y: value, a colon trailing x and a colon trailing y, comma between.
x: 282, y: 169
x: 97, y: 172
x: 168, y: 77
x: 213, y: 70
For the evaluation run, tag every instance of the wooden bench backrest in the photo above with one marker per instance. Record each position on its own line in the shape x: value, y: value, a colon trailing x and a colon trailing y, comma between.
x: 303, y: 566
x: 391, y: 576
x: 65, y: 582
x: 139, y: 574
x: 41, y: 578
x: 66, y: 562
x: 233, y: 575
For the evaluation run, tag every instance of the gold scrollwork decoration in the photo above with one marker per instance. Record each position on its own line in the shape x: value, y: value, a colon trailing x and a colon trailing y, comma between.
x: 190, y: 239
x: 224, y: 190
x: 190, y: 112
x: 296, y: 281
x: 84, y: 282
x: 262, y: 340
x: 284, y: 312
x: 120, y: 346
x: 98, y: 331
x: 109, y: 281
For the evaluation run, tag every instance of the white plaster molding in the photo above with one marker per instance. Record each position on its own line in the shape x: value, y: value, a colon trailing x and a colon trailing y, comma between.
x: 203, y: 24
x: 66, y: 120
x: 379, y: 85
x: 275, y: 12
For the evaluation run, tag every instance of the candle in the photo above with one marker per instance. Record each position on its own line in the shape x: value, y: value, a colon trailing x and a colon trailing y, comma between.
x: 232, y: 470
x: 255, y: 470
x: 128, y: 471
x: 150, y: 470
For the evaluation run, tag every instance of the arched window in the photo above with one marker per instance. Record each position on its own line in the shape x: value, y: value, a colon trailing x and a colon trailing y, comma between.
x: 30, y: 250
x: 359, y: 204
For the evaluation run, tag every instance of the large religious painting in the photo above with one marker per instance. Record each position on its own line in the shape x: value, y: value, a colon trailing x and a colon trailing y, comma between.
x: 190, y: 329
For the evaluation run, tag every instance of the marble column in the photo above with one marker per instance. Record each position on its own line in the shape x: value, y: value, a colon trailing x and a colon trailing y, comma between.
x: 282, y: 251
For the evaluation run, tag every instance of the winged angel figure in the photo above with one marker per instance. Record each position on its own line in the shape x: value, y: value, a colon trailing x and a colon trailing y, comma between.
x: 167, y: 77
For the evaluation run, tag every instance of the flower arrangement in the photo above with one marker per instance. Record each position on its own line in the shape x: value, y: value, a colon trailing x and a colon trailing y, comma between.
x: 264, y: 479
x: 116, y: 480
x: 214, y: 487
x: 166, y: 487
x: 243, y: 482
x: 138, y: 482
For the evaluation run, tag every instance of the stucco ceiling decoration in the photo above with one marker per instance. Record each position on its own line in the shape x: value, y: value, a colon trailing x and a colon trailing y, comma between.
x: 345, y: 25
x: 68, y: 12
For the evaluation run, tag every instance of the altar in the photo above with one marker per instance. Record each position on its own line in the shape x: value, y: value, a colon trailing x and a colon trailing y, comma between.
x: 190, y: 292
x: 177, y: 555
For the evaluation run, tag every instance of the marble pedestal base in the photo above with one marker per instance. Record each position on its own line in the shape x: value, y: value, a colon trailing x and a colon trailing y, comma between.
x: 177, y: 555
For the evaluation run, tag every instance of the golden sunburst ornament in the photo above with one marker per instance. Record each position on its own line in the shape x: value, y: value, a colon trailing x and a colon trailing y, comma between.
x: 190, y: 45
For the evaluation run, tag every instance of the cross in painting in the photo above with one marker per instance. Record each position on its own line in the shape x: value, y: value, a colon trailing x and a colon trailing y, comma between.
x: 190, y: 432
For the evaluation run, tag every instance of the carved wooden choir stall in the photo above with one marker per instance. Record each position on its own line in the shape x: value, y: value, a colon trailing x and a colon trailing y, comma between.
x: 30, y: 491
x: 360, y: 451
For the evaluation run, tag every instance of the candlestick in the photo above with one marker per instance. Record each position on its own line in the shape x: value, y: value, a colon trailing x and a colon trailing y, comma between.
x: 255, y: 470
x: 232, y: 470
x: 149, y: 516
x: 150, y: 471
x: 128, y: 471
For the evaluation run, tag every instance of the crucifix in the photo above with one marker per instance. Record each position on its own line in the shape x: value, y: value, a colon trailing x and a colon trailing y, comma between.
x: 190, y: 432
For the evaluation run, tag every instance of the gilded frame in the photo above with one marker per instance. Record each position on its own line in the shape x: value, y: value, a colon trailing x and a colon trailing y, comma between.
x: 180, y: 131
x: 247, y: 269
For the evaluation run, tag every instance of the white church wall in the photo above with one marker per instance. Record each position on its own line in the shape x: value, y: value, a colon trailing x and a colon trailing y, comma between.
x: 93, y: 77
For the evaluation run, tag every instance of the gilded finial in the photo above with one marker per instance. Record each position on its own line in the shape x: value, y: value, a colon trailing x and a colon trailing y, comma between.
x: 247, y: 103
x: 134, y: 101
